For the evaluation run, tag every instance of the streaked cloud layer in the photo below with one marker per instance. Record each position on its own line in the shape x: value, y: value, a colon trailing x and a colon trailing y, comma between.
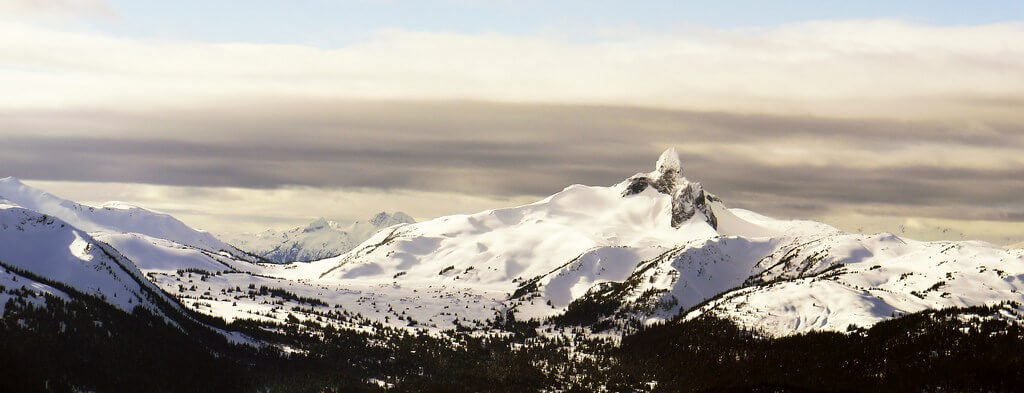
x: 785, y: 165
x: 862, y: 121
x: 852, y: 68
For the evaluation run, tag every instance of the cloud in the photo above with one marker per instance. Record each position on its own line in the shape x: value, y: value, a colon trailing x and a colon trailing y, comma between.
x: 846, y: 68
x: 55, y: 9
x: 794, y: 166
x: 827, y: 119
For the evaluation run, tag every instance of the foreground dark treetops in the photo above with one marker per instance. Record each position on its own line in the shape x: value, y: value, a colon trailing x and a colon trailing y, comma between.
x: 88, y: 345
x: 652, y: 284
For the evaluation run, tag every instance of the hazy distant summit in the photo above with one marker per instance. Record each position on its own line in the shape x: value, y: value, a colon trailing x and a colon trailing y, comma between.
x: 320, y: 239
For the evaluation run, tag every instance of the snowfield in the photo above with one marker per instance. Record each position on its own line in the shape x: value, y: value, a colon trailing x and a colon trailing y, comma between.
x: 651, y: 248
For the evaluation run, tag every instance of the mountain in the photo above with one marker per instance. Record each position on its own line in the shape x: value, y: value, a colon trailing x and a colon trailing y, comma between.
x: 501, y: 247
x: 71, y: 303
x: 655, y: 247
x: 112, y: 217
x: 43, y: 254
x: 53, y: 246
x: 1016, y: 246
x: 319, y: 240
x: 651, y: 284
x: 658, y: 245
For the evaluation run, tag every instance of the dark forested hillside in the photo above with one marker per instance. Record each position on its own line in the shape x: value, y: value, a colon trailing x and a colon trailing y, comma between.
x: 90, y: 345
x: 929, y: 351
x: 87, y: 345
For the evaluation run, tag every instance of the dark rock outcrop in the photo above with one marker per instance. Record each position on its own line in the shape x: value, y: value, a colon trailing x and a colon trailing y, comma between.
x: 688, y: 198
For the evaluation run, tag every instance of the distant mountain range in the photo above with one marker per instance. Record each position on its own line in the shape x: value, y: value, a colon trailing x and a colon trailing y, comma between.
x: 588, y: 261
x: 320, y: 239
x: 650, y: 248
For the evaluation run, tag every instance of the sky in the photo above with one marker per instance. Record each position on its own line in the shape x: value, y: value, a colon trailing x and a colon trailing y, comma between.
x: 240, y: 116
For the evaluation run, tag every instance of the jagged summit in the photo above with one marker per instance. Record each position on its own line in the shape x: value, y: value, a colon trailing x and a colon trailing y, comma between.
x: 383, y: 219
x: 688, y: 198
x: 669, y: 162
x: 316, y: 225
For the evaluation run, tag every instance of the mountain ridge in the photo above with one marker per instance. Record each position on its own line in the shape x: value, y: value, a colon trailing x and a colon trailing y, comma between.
x: 654, y: 247
x: 115, y: 217
x: 628, y: 245
x: 320, y: 239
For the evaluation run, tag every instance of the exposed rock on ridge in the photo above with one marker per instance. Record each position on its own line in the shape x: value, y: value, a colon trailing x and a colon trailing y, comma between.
x: 688, y: 197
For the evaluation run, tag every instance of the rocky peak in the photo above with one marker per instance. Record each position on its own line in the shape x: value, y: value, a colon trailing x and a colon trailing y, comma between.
x: 688, y: 197
x: 383, y: 219
x: 669, y: 162
x: 316, y: 225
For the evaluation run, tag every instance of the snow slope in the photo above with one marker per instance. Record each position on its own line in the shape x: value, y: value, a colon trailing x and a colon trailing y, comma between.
x: 47, y: 247
x: 832, y: 282
x: 499, y: 247
x: 319, y: 240
x: 114, y: 217
x: 158, y: 255
x: 43, y: 255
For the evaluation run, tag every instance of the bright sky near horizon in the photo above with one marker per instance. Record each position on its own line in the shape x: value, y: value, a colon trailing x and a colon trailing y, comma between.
x: 871, y: 115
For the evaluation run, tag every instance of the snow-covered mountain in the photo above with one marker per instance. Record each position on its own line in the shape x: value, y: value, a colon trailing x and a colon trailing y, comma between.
x: 650, y: 248
x: 111, y: 217
x: 36, y: 249
x: 501, y: 247
x: 657, y: 245
x: 319, y: 240
x: 100, y: 252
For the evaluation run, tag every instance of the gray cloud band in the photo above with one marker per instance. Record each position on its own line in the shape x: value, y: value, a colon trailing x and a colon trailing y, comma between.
x: 513, y: 149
